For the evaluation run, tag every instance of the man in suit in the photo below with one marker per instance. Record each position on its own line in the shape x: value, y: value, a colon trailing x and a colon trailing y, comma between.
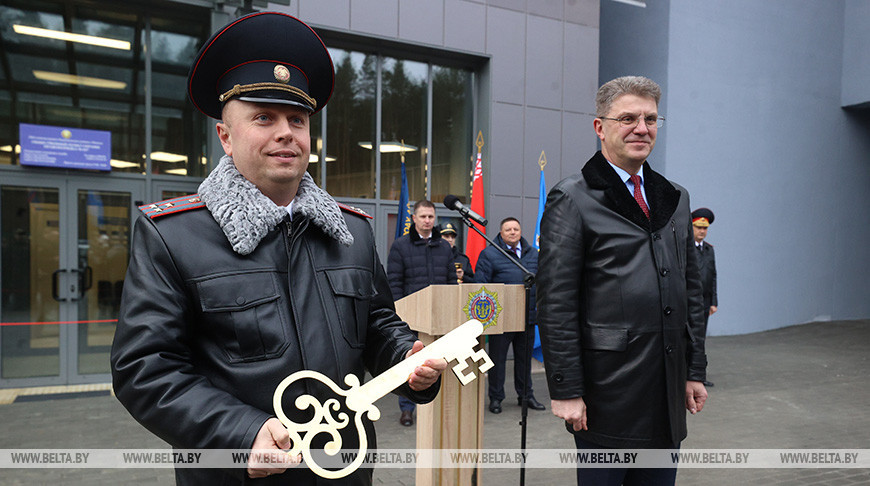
x: 619, y: 295
x: 493, y: 266
x: 702, y: 218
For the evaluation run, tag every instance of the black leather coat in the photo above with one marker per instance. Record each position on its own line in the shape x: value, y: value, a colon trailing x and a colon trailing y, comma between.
x: 206, y: 334
x: 619, y: 305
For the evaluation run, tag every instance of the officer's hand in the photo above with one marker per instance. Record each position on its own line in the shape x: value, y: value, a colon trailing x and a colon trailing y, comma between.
x: 267, y: 452
x: 713, y: 309
x: 572, y: 411
x: 696, y: 396
x: 426, y: 374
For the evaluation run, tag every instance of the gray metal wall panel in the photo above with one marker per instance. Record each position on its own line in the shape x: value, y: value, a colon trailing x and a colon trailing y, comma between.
x: 544, y: 58
x: 579, y: 142
x: 505, y: 41
x: 464, y: 25
x: 756, y: 134
x: 553, y: 9
x: 583, y: 12
x: 378, y: 17
x: 856, y: 54
x: 543, y: 131
x: 518, y: 5
x: 331, y: 13
x: 505, y: 147
x: 580, y: 68
x: 421, y: 21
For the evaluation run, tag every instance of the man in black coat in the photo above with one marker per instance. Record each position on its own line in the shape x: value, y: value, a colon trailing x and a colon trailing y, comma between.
x: 702, y: 218
x: 493, y: 266
x: 258, y: 276
x: 619, y: 294
x: 417, y: 260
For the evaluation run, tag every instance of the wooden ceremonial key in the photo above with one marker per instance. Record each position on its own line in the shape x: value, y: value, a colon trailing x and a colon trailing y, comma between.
x: 456, y: 345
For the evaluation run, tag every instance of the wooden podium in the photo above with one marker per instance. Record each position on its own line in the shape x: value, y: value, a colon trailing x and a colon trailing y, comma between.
x: 454, y: 420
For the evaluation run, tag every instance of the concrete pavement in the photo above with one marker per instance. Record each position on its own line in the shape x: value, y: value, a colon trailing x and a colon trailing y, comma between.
x: 793, y: 388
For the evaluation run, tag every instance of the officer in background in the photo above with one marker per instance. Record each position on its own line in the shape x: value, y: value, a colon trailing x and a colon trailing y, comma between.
x: 260, y: 275
x: 464, y: 272
x: 702, y: 218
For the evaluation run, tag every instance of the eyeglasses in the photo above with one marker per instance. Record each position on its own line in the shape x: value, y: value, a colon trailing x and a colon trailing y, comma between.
x: 630, y: 121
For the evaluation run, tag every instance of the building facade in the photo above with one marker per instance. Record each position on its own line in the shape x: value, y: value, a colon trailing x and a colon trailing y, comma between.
x: 94, y: 121
x: 768, y: 124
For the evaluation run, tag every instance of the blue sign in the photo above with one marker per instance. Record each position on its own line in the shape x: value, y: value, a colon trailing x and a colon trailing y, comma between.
x: 65, y: 148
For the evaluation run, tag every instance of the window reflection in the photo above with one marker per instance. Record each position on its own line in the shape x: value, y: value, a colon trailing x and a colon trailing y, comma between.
x: 75, y: 65
x: 317, y: 155
x: 403, y: 124
x: 452, y: 133
x: 178, y: 129
x: 350, y: 120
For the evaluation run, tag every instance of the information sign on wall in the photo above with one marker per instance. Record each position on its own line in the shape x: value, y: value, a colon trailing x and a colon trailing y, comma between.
x: 65, y: 148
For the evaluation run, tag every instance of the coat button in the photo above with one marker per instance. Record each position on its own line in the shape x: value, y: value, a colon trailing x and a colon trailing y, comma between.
x: 360, y: 292
x: 668, y: 310
x: 558, y: 378
x: 657, y: 236
x: 665, y: 272
x: 240, y: 300
x: 669, y: 349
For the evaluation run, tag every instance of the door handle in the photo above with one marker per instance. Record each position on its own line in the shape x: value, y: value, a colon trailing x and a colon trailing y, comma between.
x: 54, y: 287
x: 86, y: 281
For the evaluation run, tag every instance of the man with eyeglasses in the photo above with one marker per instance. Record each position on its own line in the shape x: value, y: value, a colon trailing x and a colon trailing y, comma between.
x: 619, y: 298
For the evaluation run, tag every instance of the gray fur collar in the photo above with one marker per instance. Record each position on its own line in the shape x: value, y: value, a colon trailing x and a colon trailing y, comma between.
x: 246, y: 215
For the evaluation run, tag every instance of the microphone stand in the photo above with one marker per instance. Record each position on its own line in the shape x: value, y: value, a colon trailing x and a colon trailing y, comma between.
x: 528, y: 282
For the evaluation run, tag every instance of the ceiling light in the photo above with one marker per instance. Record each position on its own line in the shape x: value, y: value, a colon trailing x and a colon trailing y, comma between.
x: 80, y: 80
x: 66, y: 36
x: 314, y: 158
x: 389, y: 147
x: 123, y: 164
x: 168, y: 157
x: 635, y: 3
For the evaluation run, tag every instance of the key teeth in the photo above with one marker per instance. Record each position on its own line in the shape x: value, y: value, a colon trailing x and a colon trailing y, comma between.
x: 487, y: 361
x: 477, y: 356
x: 463, y: 378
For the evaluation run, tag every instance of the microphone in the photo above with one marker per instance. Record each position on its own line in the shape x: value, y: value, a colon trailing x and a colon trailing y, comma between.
x: 452, y: 202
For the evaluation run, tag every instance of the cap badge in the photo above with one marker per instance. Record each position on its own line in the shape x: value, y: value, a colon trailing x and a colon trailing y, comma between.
x: 282, y: 74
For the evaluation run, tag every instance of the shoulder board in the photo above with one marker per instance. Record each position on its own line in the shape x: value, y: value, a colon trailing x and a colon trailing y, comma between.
x: 708, y: 244
x: 172, y: 206
x: 353, y: 210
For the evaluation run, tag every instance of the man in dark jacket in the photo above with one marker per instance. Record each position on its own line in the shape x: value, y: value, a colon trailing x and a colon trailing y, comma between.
x: 259, y: 275
x: 619, y: 296
x: 702, y: 218
x: 464, y: 272
x: 493, y: 266
x: 417, y: 260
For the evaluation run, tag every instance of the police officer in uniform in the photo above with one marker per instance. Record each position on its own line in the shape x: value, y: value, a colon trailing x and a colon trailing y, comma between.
x: 259, y: 275
x: 702, y: 218
x: 464, y: 272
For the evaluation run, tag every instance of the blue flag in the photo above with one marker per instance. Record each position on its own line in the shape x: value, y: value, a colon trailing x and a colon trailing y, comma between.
x: 403, y: 221
x: 542, y: 201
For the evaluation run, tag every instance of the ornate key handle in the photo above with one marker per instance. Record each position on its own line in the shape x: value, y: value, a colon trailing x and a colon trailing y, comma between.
x: 457, y: 344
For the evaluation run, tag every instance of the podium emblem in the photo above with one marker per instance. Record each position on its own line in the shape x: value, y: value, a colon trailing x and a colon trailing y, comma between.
x: 483, y: 306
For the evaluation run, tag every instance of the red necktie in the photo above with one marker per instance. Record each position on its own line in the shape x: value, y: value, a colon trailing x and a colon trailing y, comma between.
x: 638, y: 196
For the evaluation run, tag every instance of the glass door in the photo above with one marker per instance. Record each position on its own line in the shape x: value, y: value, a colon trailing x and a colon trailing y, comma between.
x: 31, y: 280
x: 98, y: 264
x: 64, y: 256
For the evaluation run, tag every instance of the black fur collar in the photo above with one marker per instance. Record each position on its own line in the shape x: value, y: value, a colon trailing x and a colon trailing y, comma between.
x: 662, y: 197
